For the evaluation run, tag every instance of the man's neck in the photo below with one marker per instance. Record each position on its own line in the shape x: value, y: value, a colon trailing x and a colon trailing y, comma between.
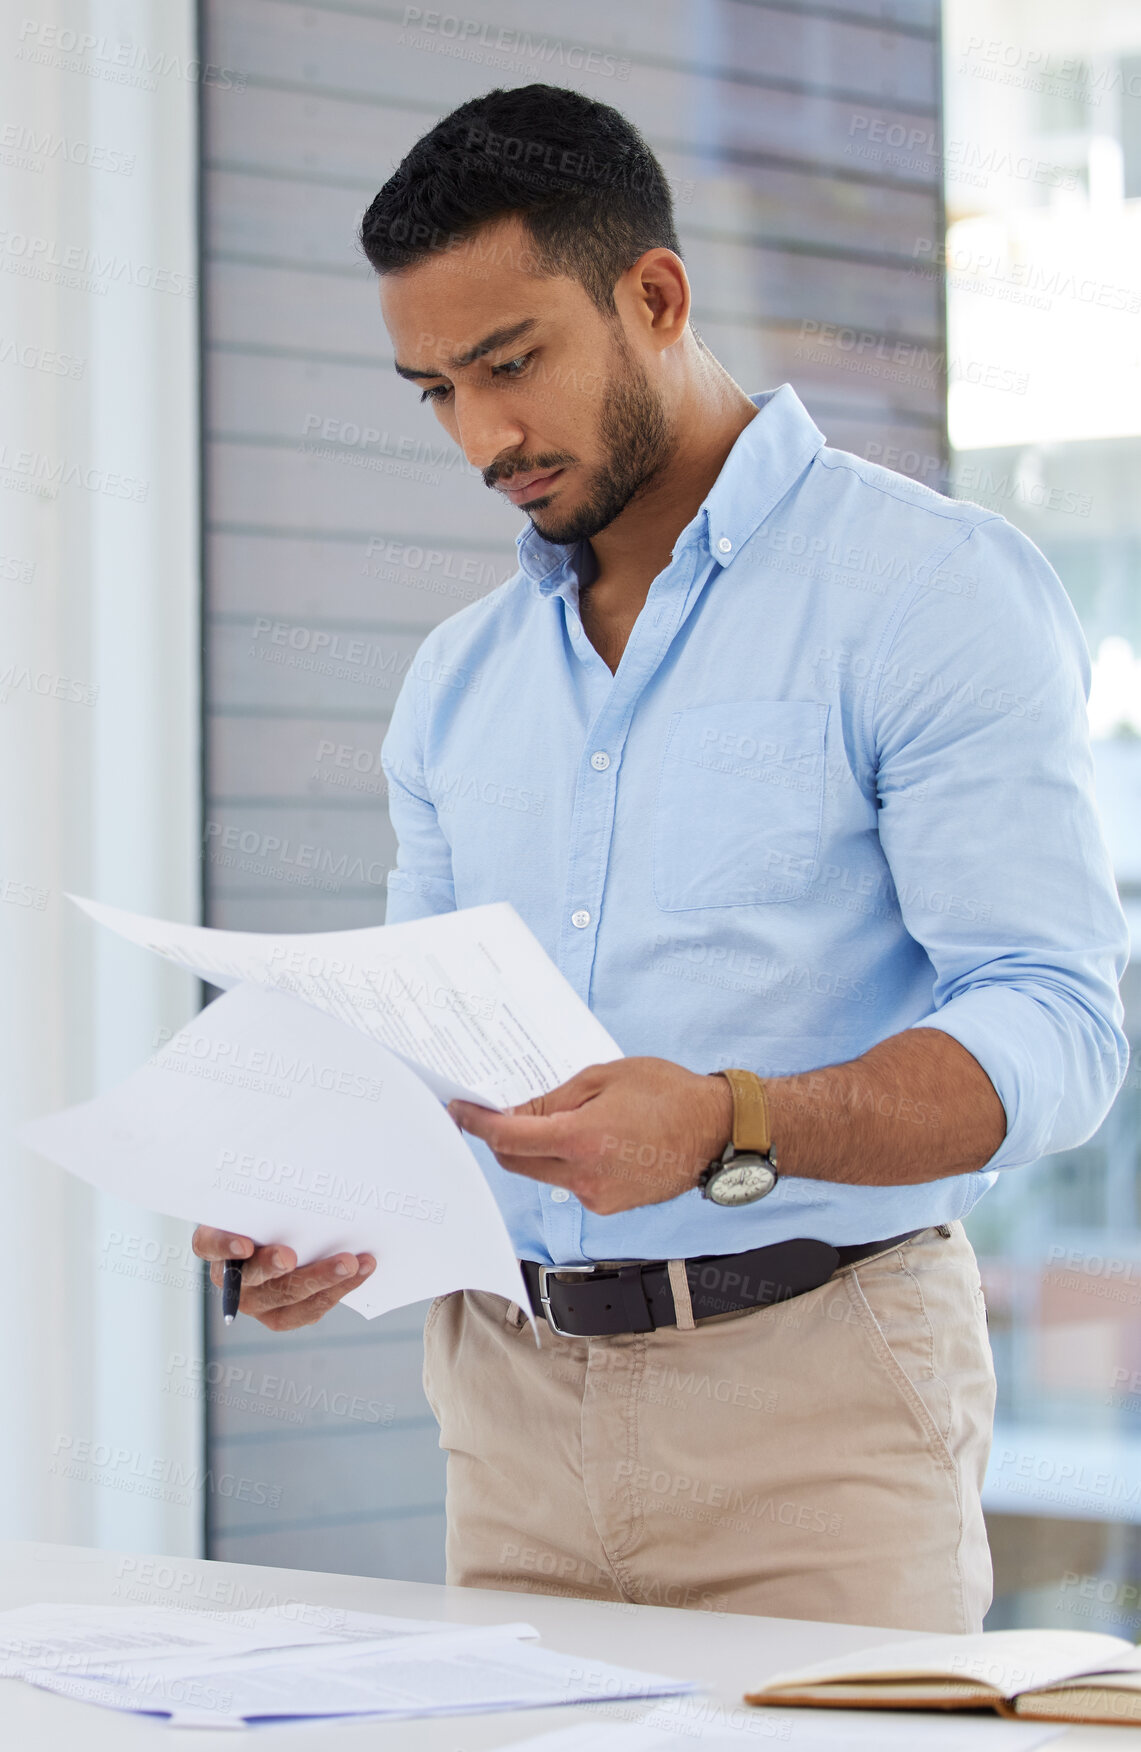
x: 642, y: 539
x: 630, y: 552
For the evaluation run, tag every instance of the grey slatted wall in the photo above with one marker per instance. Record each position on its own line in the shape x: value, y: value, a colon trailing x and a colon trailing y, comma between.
x: 802, y: 143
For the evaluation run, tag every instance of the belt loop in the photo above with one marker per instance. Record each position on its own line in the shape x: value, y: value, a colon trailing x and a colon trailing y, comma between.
x: 679, y: 1284
x: 514, y: 1314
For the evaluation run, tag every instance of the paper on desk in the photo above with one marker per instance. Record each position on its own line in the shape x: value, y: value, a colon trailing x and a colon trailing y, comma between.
x: 470, y: 999
x: 267, y: 1118
x: 58, y: 1637
x: 462, y: 1672
x: 64, y: 1638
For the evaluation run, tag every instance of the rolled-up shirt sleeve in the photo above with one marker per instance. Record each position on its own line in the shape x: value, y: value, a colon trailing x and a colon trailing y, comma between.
x: 988, y: 820
x: 421, y: 884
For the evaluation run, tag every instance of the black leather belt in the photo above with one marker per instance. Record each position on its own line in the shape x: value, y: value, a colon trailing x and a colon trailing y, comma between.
x: 602, y: 1301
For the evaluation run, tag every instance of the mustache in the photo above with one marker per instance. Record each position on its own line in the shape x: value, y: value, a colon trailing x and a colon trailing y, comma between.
x: 504, y: 471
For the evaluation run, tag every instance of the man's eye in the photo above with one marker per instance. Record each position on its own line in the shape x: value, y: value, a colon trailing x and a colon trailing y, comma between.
x: 435, y: 392
x: 513, y: 367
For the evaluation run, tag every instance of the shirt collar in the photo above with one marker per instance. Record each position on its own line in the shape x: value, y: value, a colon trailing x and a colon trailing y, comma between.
x: 770, y: 454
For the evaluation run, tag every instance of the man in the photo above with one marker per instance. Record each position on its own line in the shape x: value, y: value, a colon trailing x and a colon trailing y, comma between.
x: 800, y: 789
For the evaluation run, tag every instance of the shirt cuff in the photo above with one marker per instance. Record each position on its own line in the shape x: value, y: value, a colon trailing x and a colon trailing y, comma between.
x: 1017, y: 1045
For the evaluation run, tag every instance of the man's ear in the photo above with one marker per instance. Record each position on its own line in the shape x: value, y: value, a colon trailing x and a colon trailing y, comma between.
x: 654, y: 295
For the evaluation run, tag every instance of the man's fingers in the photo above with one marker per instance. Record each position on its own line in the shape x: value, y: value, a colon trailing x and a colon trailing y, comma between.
x: 283, y: 1290
x: 262, y: 1266
x: 516, y: 1134
x: 311, y: 1308
x: 550, y: 1169
x: 220, y: 1244
x: 582, y: 1087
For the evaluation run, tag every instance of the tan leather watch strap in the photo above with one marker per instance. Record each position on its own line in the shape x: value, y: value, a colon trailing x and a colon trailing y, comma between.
x: 750, y: 1112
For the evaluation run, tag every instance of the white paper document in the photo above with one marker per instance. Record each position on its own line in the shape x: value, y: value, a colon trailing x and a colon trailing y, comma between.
x: 460, y: 1670
x: 52, y: 1637
x: 470, y: 999
x: 272, y: 1120
x: 304, y: 1105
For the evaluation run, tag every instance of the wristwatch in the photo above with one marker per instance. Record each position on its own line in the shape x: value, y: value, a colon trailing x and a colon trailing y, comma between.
x: 746, y: 1170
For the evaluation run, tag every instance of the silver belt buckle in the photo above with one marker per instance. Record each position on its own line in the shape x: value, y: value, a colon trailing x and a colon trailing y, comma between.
x: 545, y: 1301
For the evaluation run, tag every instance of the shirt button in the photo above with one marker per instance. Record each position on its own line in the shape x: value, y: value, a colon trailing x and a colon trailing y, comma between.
x: 559, y: 1195
x: 580, y: 919
x: 725, y: 546
x: 600, y: 761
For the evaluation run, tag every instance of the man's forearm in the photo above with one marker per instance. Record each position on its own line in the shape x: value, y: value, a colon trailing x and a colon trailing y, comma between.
x: 916, y: 1107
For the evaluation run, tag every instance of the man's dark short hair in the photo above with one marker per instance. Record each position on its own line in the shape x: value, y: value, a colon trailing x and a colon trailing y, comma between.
x: 588, y: 189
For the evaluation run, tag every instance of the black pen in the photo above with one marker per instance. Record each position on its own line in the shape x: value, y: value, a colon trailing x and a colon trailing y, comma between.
x: 231, y: 1289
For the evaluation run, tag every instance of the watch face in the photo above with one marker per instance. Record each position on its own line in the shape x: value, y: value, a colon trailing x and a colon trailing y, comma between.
x: 742, y: 1181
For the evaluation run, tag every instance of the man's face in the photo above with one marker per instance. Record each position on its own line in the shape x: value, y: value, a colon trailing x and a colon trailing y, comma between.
x: 542, y: 393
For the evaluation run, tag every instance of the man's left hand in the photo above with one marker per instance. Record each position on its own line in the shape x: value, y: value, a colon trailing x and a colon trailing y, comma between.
x: 635, y: 1132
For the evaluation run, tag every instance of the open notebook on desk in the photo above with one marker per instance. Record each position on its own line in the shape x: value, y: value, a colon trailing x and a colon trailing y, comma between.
x: 1045, y: 1675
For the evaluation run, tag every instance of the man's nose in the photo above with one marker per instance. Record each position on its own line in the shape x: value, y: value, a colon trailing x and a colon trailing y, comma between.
x: 485, y: 428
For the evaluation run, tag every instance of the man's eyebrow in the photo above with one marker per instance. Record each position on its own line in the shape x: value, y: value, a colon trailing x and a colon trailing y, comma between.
x: 502, y: 337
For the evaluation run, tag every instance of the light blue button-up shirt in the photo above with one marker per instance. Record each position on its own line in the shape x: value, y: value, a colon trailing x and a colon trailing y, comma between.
x: 840, y: 786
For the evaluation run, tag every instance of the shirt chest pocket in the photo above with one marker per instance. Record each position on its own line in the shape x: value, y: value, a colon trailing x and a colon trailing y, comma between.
x: 740, y: 801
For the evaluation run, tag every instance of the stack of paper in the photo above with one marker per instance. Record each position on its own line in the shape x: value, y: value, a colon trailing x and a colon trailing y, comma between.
x: 303, y: 1107
x: 63, y: 1638
x: 229, y: 1669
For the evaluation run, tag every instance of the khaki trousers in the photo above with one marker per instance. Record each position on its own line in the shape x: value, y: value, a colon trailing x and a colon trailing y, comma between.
x: 822, y: 1458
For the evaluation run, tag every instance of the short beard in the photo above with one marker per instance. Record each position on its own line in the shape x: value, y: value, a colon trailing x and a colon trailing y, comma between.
x: 637, y: 441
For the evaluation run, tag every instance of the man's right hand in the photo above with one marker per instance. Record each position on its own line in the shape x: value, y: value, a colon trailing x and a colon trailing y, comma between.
x: 275, y: 1290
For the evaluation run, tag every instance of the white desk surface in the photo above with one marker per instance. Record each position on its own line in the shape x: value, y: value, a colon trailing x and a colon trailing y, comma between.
x: 728, y: 1652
